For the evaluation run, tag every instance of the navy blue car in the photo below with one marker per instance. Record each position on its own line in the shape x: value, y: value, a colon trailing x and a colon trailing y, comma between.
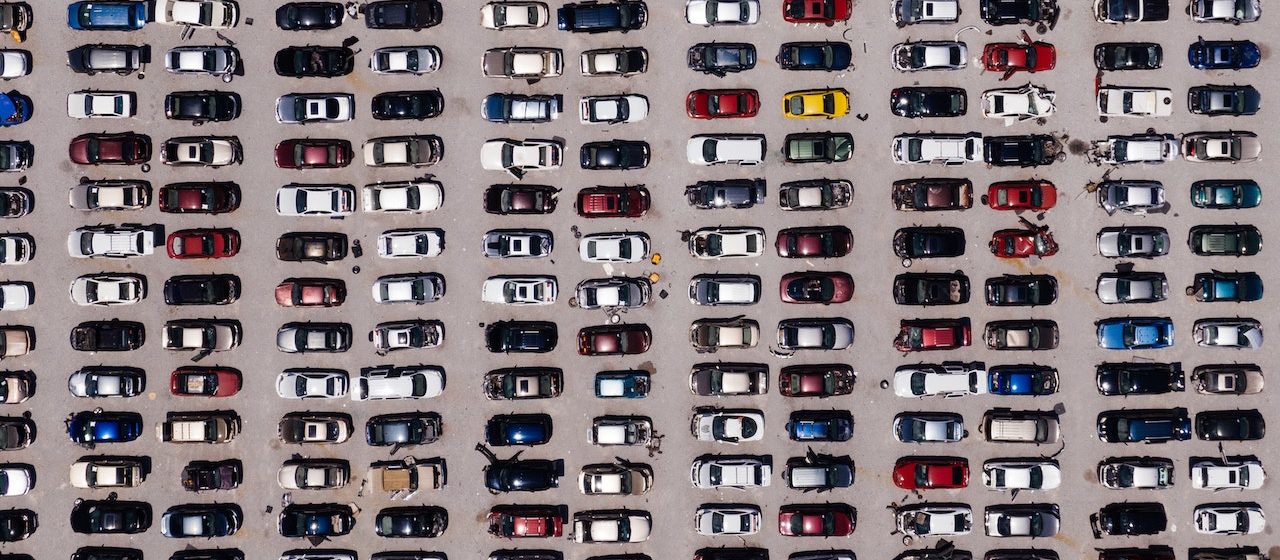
x: 107, y: 15
x: 1144, y: 426
x: 1223, y: 55
x: 820, y: 425
x: 518, y: 429
x: 593, y: 17
x: 104, y: 427
x: 1030, y: 380
x: 525, y: 475
x: 828, y: 56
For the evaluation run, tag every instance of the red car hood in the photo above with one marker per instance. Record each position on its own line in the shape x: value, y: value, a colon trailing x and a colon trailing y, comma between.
x: 939, y: 337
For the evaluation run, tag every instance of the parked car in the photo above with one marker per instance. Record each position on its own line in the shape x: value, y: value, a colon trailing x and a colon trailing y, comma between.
x: 314, y: 61
x: 199, y: 198
x: 1132, y: 287
x: 403, y: 429
x: 1226, y: 194
x: 91, y: 195
x: 1229, y: 519
x: 710, y: 335
x: 309, y: 16
x: 209, y: 60
x: 815, y: 287
x: 127, y: 15
x: 407, y: 105
x: 929, y: 55
x: 816, y: 520
x: 1136, y: 472
x: 1021, y: 426
x: 94, y: 517
x: 931, y: 288
x: 1134, y: 197
x: 620, y: 430
x: 1223, y: 55
x: 321, y: 247
x: 928, y: 427
x: 401, y: 335
x: 817, y: 147
x: 728, y: 379
x: 92, y: 427
x: 814, y: 242
x: 731, y: 193
x: 1133, y: 242
x: 1021, y: 474
x: 117, y: 59
x: 202, y: 289
x: 1228, y: 333
x: 1230, y: 425
x: 1229, y: 147
x: 933, y: 520
x: 1224, y: 474
x: 1031, y: 150
x: 1128, y: 56
x: 722, y: 103
x: 1139, y: 378
x: 931, y: 473
x: 930, y: 195
x: 414, y: 15
x: 1135, y: 333
x: 1018, y: 104
x: 503, y: 15
x: 1228, y: 379
x: 205, y: 381
x: 315, y: 520
x: 1021, y: 290
x: 102, y: 336
x: 928, y: 242
x: 1144, y: 425
x: 911, y: 12
x: 811, y: 55
x: 820, y: 425
x: 932, y: 334
x: 415, y: 60
x: 611, y: 526
x: 1023, y: 520
x: 815, y: 334
x: 816, y: 380
x: 521, y: 336
x: 107, y: 381
x: 212, y: 475
x: 591, y: 17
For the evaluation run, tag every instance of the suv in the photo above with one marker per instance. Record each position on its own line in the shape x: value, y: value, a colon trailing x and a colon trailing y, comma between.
x: 945, y: 149
x: 1144, y: 425
x: 199, y: 427
x: 120, y: 59
x: 593, y: 17
x: 402, y: 14
x: 712, y: 149
x: 1009, y: 426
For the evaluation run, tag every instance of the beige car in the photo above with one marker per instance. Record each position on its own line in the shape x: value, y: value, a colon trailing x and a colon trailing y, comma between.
x: 523, y: 63
x: 514, y: 15
x: 15, y: 341
x: 615, y: 479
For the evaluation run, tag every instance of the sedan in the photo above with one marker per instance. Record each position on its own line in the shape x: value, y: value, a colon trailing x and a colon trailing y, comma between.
x: 203, y: 244
x: 824, y: 56
x: 722, y: 103
x: 94, y: 289
x: 613, y: 292
x: 413, y: 15
x: 313, y: 474
x: 1144, y: 425
x: 309, y: 16
x: 731, y: 193
x: 1021, y: 474
x: 725, y: 379
x: 1224, y: 240
x: 1010, y: 58
x: 928, y: 242
x: 202, y: 289
x: 727, y: 426
x: 816, y: 287
x: 1023, y: 520
x: 931, y: 288
x: 729, y: 520
x: 932, y: 195
x: 611, y: 526
x: 314, y: 428
x: 521, y: 522
x: 1230, y: 425
x: 928, y: 102
x: 304, y: 108
x: 928, y: 427
x: 311, y: 292
x: 103, y: 517
x: 1220, y: 474
x: 206, y: 151
x: 1021, y: 290
x: 1023, y: 243
x: 407, y: 105
x: 613, y: 109
x: 816, y: 520
x: 315, y: 520
x: 1228, y: 333
x: 409, y: 197
x: 725, y: 243
x: 1133, y: 242
x: 416, y: 288
x: 312, y: 384
x: 1136, y: 472
x: 209, y: 60
x: 814, y: 242
x: 1232, y: 100
x: 815, y: 334
x: 1139, y: 378
x: 190, y: 521
x: 816, y: 104
x: 930, y: 473
x: 721, y: 59
x: 109, y: 194
x: 403, y: 151
x: 101, y: 104
x: 1135, y: 333
x: 933, y: 520
x: 1233, y: 379
x: 1229, y: 519
x: 1132, y: 287
x: 411, y: 522
x: 107, y: 381
x: 294, y: 338
x: 1035, y: 196
x: 518, y: 157
x: 1134, y: 197
x: 1021, y: 335
x: 519, y: 290
x: 929, y: 55
x: 518, y: 14
x: 1018, y: 104
x: 200, y: 107
x: 825, y: 12
x: 624, y: 247
x: 199, y: 198
x: 520, y: 199
x: 313, y: 153
x: 126, y: 148
x: 405, y: 60
x: 1228, y: 147
x: 614, y: 155
x: 204, y: 381
x: 614, y: 340
x: 94, y: 427
x: 722, y: 12
x: 314, y: 61
x: 1223, y: 55
x: 1128, y: 56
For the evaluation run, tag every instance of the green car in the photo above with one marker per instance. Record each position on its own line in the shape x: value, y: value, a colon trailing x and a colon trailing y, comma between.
x: 1225, y: 240
x: 818, y: 147
x: 1223, y: 194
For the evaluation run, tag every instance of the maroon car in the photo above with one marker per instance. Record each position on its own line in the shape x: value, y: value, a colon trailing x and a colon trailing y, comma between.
x: 816, y: 287
x: 313, y: 153
x: 816, y: 380
x: 614, y: 340
x: 819, y: 241
x: 203, y: 243
x: 816, y: 520
x: 932, y: 334
x: 613, y: 202
x: 202, y: 381
x: 199, y: 198
x: 311, y: 292
x: 125, y: 148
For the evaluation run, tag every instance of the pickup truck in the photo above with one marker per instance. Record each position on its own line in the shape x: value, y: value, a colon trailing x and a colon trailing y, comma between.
x: 199, y: 427
x: 111, y: 241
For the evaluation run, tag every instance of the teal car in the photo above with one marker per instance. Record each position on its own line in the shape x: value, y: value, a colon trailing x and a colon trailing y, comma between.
x: 1227, y: 286
x: 1135, y: 333
x: 1225, y: 194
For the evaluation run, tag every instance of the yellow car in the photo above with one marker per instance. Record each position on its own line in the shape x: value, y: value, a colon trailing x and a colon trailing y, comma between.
x: 815, y: 104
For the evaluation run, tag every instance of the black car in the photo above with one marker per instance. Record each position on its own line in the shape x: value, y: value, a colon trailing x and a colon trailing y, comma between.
x: 615, y: 154
x: 729, y: 193
x: 724, y: 553
x: 1128, y: 56
x: 404, y: 105
x: 526, y: 554
x: 202, y: 289
x: 315, y: 520
x: 405, y: 555
x: 107, y: 336
x: 17, y: 524
x: 826, y: 56
x: 523, y: 475
x: 928, y: 242
x: 521, y: 336
x: 200, y: 107
x: 1030, y: 150
x: 1149, y: 553
x: 923, y: 102
x: 101, y: 517
x: 1129, y: 519
x: 594, y: 17
x: 1021, y: 290
x: 16, y: 432
x: 411, y: 522
x: 106, y: 553
x: 402, y: 14
x: 314, y: 61
x: 931, y: 288
x: 1158, y: 425
x: 1230, y: 425
x: 518, y: 429
x: 409, y: 428
x: 719, y: 59
x: 1139, y: 378
x: 16, y: 155
x: 520, y: 199
x: 119, y: 59
x: 212, y: 475
x: 321, y: 247
x: 1232, y: 100
x: 201, y: 520
x: 307, y: 337
x: 1028, y: 12
x: 306, y: 16
x: 208, y: 554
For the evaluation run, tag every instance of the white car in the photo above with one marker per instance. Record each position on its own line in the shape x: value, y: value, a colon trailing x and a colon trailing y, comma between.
x: 518, y: 157
x: 613, y: 247
x: 1227, y: 333
x: 934, y: 520
x: 597, y: 293
x: 945, y: 149
x: 105, y: 472
x: 519, y: 290
x: 87, y: 104
x: 722, y: 12
x: 211, y: 60
x: 928, y: 427
x: 1226, y: 11
x: 15, y: 248
x: 1139, y: 287
x: 929, y: 55
x: 1219, y: 475
x: 1021, y: 474
x: 14, y: 63
x: 724, y: 289
x: 413, y: 197
x: 949, y: 379
x: 214, y: 335
x: 1229, y: 519
x: 99, y: 382
x: 16, y: 296
x: 1136, y: 148
x: 1139, y: 473
x: 403, y: 335
x: 405, y: 60
x: 910, y: 12
x: 213, y: 14
x: 408, y: 288
x: 719, y: 520
x: 1134, y: 197
x: 1018, y: 104
x: 313, y: 474
x: 727, y: 243
x: 1023, y: 520
x: 611, y: 526
x: 611, y: 431
x: 620, y: 61
x: 612, y: 109
x: 402, y: 151
x: 731, y: 472
x: 514, y: 15
x: 411, y: 243
x: 728, y: 426
x: 201, y: 151
x: 718, y: 149
x: 111, y: 241
x: 387, y: 383
x: 315, y: 200
x: 107, y: 289
x: 312, y: 384
x: 109, y: 195
x: 303, y: 108
x: 615, y: 479
x: 1116, y: 101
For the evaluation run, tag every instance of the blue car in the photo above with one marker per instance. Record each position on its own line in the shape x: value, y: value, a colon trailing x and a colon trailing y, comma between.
x: 1144, y: 426
x: 1223, y: 55
x: 828, y: 56
x: 1032, y: 380
x: 107, y: 15
x: 104, y: 427
x: 15, y: 108
x: 518, y: 429
x: 1135, y: 333
x: 622, y: 384
x: 820, y: 425
x: 524, y: 475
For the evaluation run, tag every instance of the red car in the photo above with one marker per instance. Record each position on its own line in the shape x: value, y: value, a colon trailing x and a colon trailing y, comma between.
x: 816, y: 520
x: 932, y: 334
x: 126, y: 148
x: 199, y: 198
x: 1023, y: 243
x: 816, y: 380
x: 523, y: 522
x: 199, y: 381
x: 313, y: 153
x: 1026, y: 56
x: 613, y: 202
x: 944, y: 473
x: 203, y: 243
x: 723, y: 103
x: 819, y: 241
x: 1021, y: 195
x: 816, y: 287
x: 826, y: 12
x: 614, y: 340
x: 311, y: 292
